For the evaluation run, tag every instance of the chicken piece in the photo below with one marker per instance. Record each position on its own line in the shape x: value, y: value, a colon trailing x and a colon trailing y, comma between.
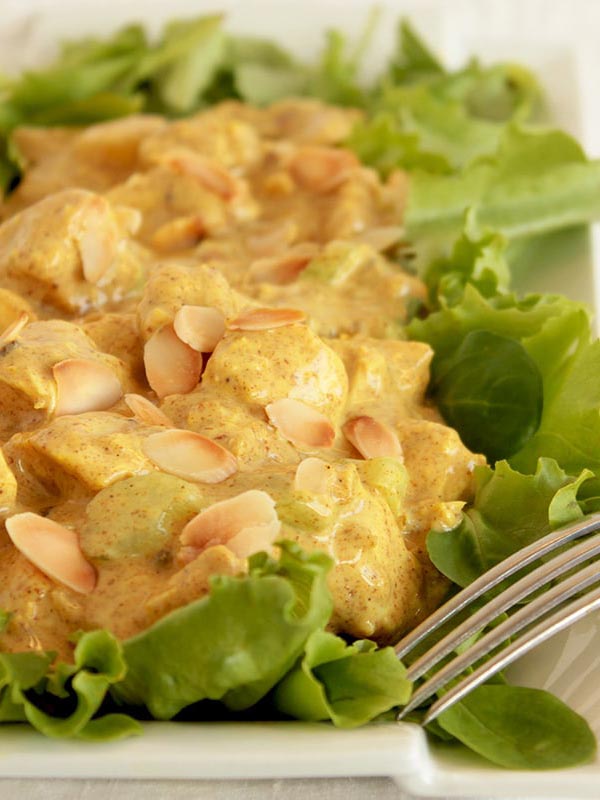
x: 94, y: 158
x: 243, y: 431
x: 259, y: 367
x: 12, y: 305
x: 69, y: 251
x: 387, y: 378
x: 375, y: 581
x: 248, y: 371
x: 311, y: 121
x: 348, y: 289
x: 173, y: 191
x: 218, y: 136
x: 30, y: 393
x: 35, y: 623
x: 440, y: 470
x: 8, y: 487
x: 193, y: 581
x: 75, y: 456
x: 118, y: 335
x: 173, y: 284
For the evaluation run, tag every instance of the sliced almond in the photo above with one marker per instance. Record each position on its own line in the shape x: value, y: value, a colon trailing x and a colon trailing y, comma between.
x: 283, y: 269
x: 372, y: 438
x: 261, y: 319
x: 212, y: 176
x: 382, y: 238
x: 130, y: 218
x: 179, y: 234
x: 84, y: 385
x: 172, y: 366
x: 95, y: 230
x: 322, y: 169
x: 12, y: 332
x: 312, y: 475
x: 190, y: 456
x: 146, y: 412
x: 200, y: 327
x: 53, y: 549
x: 245, y: 524
x: 270, y: 238
x: 302, y: 425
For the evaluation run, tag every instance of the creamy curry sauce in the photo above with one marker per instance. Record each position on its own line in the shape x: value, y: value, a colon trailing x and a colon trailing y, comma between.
x: 199, y: 310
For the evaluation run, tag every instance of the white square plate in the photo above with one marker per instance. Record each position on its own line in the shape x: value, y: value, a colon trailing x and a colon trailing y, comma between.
x: 551, y: 39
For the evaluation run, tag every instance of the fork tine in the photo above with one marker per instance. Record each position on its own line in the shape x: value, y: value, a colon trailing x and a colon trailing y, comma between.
x: 494, y: 576
x: 505, y: 600
x: 525, y: 616
x: 567, y: 616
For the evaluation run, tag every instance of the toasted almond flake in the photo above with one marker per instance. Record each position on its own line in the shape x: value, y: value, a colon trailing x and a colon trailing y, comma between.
x: 12, y: 332
x: 322, y: 169
x: 179, y: 234
x: 200, y: 327
x: 382, y: 238
x: 212, y: 176
x: 130, y: 218
x: 172, y: 366
x: 84, y: 385
x: 283, y: 269
x: 261, y: 319
x: 96, y: 233
x: 372, y: 438
x: 302, y: 425
x: 246, y: 524
x: 312, y: 475
x: 146, y: 412
x: 53, y: 549
x: 190, y: 456
x: 269, y: 239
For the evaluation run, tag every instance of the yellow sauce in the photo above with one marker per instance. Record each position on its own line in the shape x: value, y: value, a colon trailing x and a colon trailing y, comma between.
x: 113, y: 229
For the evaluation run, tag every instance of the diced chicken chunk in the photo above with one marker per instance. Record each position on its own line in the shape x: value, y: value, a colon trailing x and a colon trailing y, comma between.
x: 29, y: 388
x: 69, y: 251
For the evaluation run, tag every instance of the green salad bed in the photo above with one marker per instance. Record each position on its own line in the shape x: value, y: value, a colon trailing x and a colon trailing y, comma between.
x: 518, y: 377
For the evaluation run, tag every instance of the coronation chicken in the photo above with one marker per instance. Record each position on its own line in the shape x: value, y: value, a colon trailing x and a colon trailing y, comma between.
x: 202, y: 355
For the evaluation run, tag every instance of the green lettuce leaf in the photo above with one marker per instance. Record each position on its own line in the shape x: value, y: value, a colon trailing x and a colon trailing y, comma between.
x: 491, y: 391
x: 477, y: 257
x: 347, y: 684
x: 570, y: 426
x: 413, y: 60
x: 510, y: 511
x: 520, y: 728
x: 556, y: 334
x: 537, y: 180
x: 196, y: 51
x: 62, y: 701
x: 233, y: 645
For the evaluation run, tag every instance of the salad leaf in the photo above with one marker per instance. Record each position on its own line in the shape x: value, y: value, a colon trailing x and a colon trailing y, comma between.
x: 442, y: 124
x: 537, y: 180
x: 510, y: 511
x: 195, y: 54
x: 380, y: 142
x: 348, y: 684
x: 233, y: 645
x: 491, y: 391
x: 477, y: 258
x: 570, y: 425
x: 520, y: 728
x: 61, y: 702
x: 555, y: 333
x: 413, y: 60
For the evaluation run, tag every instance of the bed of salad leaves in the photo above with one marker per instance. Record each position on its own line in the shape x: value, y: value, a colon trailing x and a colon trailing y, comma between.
x: 519, y: 377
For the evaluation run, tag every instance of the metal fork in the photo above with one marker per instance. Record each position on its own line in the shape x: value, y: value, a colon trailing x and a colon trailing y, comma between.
x: 581, y: 582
